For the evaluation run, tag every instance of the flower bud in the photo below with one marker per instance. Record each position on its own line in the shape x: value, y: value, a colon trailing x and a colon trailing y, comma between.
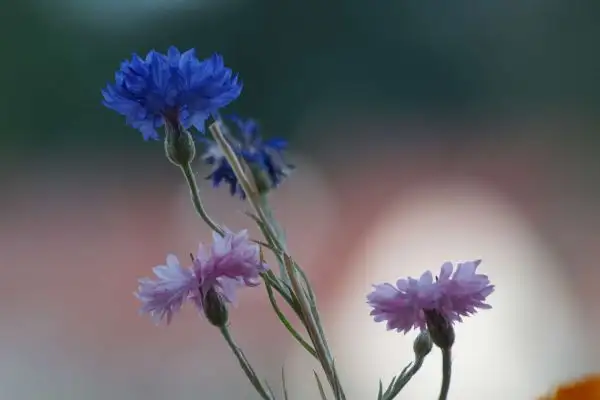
x: 422, y: 344
x: 215, y: 309
x: 179, y: 144
x: 440, y: 330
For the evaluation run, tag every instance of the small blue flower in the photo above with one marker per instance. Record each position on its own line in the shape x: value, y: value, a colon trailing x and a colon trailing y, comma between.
x: 175, y: 86
x: 265, y: 157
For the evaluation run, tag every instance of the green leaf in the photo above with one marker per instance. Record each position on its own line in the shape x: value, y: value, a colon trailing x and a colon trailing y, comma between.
x: 285, y: 392
x: 398, y: 382
x: 337, y: 387
x: 284, y: 291
x: 273, y: 246
x: 264, y: 204
x: 320, y: 385
x: 301, y: 290
x: 270, y: 390
x: 410, y: 364
x: 287, y: 323
x: 310, y: 294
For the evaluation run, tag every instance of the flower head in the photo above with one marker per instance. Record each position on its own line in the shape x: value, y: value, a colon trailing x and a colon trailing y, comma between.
x: 232, y: 261
x: 176, y: 86
x: 217, y: 271
x: 163, y: 297
x: 452, y: 296
x: 264, y: 157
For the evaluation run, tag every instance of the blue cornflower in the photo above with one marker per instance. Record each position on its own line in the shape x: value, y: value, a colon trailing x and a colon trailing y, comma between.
x: 177, y: 87
x: 264, y: 157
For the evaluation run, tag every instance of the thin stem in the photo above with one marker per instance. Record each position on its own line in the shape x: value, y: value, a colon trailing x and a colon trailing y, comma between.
x: 313, y: 329
x: 284, y: 291
x: 195, y: 195
x: 245, y: 183
x: 271, y: 235
x: 264, y: 204
x: 244, y: 364
x: 287, y: 323
x: 404, y: 379
x: 446, y: 373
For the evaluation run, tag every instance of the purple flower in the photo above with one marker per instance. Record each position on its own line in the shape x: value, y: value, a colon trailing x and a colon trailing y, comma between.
x: 231, y: 262
x: 452, y: 295
x: 163, y: 297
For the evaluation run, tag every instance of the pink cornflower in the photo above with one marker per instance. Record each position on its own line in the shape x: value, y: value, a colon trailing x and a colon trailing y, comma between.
x: 452, y: 295
x: 230, y: 262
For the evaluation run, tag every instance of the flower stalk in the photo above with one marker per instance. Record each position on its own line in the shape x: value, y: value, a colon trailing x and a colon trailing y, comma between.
x: 446, y: 373
x: 180, y: 150
x: 308, y: 311
x: 400, y: 382
x: 245, y: 365
x: 190, y: 179
x: 422, y: 347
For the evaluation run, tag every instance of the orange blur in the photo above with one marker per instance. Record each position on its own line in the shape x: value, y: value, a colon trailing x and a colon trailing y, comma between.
x: 587, y: 388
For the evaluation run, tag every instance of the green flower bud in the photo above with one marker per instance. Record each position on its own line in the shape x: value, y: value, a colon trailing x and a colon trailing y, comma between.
x: 440, y: 330
x: 422, y: 345
x: 215, y: 308
x: 179, y: 144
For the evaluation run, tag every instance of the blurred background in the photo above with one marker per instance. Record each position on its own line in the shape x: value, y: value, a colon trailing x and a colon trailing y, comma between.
x: 422, y: 132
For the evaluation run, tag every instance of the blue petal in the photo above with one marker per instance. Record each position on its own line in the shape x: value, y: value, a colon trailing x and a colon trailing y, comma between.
x: 265, y: 156
x: 175, y: 83
x: 276, y: 144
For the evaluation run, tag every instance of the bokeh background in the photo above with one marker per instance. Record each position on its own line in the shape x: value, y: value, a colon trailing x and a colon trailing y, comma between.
x: 422, y: 131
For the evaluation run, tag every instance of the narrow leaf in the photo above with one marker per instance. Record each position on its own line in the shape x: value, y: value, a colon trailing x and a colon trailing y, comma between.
x: 313, y: 301
x: 398, y: 382
x: 320, y: 385
x: 410, y: 364
x: 270, y: 390
x: 285, y: 392
x: 287, y: 323
x: 273, y: 245
x: 281, y: 287
x: 339, y: 392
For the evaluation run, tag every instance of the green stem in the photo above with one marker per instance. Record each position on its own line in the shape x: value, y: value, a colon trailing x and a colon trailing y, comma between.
x: 264, y: 204
x: 313, y: 330
x: 404, y: 379
x: 446, y: 373
x: 245, y: 183
x: 195, y: 195
x: 244, y: 364
x: 308, y: 317
x: 287, y: 323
